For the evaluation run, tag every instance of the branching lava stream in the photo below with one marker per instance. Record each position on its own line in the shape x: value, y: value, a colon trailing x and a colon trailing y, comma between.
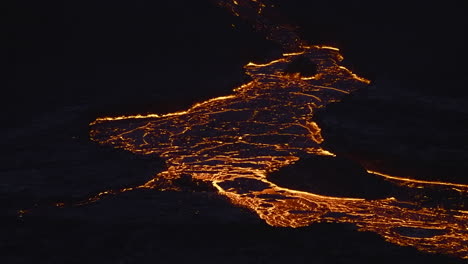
x: 234, y: 141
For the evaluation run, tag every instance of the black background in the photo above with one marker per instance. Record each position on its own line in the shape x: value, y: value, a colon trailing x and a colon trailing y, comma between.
x: 59, y: 52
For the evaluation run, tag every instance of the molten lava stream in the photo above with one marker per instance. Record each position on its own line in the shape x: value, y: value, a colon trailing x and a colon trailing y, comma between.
x: 234, y: 141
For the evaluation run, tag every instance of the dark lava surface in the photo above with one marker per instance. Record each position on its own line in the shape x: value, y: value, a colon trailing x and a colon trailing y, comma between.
x: 332, y: 176
x: 181, y: 227
x: 419, y: 137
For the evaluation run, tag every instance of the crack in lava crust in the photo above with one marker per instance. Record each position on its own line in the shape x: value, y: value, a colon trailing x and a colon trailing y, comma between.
x: 234, y: 141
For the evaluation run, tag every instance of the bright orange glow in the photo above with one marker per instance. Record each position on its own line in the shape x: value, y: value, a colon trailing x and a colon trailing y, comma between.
x: 234, y: 141
x: 454, y: 186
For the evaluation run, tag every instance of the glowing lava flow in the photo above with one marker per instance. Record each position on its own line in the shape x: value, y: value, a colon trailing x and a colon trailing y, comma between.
x: 235, y: 141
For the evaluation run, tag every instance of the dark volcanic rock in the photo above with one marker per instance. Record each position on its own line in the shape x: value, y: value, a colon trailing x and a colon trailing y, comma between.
x: 187, y: 183
x: 303, y: 66
x: 399, y: 132
x: 419, y: 232
x: 177, y: 227
x: 244, y: 185
x: 331, y: 176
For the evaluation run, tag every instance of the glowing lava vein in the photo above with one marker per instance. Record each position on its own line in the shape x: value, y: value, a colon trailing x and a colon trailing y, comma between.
x: 234, y: 141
